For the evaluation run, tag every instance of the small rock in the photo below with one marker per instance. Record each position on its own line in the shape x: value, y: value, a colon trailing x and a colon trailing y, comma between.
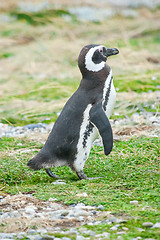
x: 140, y: 229
x: 114, y: 228
x: 31, y: 231
x: 82, y: 194
x: 79, y: 237
x: 94, y: 212
x: 125, y: 228
x: 65, y: 238
x: 149, y: 239
x: 64, y: 213
x: 42, y: 231
x: 134, y: 202
x: 80, y: 212
x: 122, y: 220
x: 156, y: 225
x: 90, y: 232
x: 30, y: 210
x: 113, y: 220
x: 147, y: 224
x: 6, y: 236
x: 37, y: 237
x: 119, y: 238
x: 15, y: 214
x: 100, y: 207
x: 106, y: 234
x: 58, y: 182
x: 52, y: 199
x: 121, y: 232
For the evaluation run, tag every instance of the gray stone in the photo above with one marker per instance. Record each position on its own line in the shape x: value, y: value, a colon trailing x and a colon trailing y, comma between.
x: 89, y: 232
x: 147, y: 224
x: 140, y: 229
x: 58, y: 182
x: 7, y: 236
x: 6, y: 215
x: 79, y: 237
x: 120, y: 238
x: 156, y: 225
x: 15, y: 214
x: 134, y: 202
x: 125, y: 228
x: 31, y: 231
x: 149, y: 239
x: 114, y: 228
x: 113, y: 219
x: 65, y: 238
x: 100, y: 207
x: 30, y: 210
x: 37, y: 237
x: 80, y: 212
x: 120, y: 233
x: 106, y: 234
x: 122, y: 220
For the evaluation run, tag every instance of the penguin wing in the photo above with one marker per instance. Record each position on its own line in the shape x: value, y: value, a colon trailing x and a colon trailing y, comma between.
x: 101, y: 121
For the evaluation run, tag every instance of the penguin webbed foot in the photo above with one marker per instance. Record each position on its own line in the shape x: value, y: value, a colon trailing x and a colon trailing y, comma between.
x: 50, y: 173
x: 82, y: 175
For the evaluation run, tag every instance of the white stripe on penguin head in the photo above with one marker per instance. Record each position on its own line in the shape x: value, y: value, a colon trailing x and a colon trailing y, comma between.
x: 89, y: 64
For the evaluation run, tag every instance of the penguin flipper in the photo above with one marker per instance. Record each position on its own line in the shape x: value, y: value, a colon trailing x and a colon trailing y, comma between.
x: 101, y: 121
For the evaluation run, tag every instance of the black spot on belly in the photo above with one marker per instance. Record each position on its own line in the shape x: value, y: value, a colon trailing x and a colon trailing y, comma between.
x: 107, y: 95
x: 87, y: 133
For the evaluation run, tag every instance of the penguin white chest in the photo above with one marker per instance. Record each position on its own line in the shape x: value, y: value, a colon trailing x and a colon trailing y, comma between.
x: 87, y: 135
x: 109, y: 95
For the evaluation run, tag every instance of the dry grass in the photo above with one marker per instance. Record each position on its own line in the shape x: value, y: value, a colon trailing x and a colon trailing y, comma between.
x: 42, y: 53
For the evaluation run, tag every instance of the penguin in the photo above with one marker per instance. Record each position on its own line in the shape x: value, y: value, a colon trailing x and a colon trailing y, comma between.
x: 84, y: 116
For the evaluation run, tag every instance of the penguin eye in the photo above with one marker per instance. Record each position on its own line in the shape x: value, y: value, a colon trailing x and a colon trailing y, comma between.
x: 101, y: 50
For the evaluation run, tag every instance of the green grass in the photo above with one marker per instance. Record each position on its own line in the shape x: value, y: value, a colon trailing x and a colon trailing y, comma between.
x: 138, y: 82
x: 130, y: 172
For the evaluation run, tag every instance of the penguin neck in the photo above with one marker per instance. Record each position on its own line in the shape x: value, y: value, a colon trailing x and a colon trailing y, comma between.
x: 91, y: 80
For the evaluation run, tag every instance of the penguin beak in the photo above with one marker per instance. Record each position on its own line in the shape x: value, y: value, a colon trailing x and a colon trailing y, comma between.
x: 111, y: 51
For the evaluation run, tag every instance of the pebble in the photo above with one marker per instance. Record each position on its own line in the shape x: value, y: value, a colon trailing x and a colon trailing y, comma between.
x: 156, y: 225
x: 79, y: 237
x: 149, y: 239
x: 11, y: 131
x: 58, y: 182
x: 114, y: 228
x: 7, y: 235
x: 134, y: 202
x: 100, y: 207
x: 147, y: 224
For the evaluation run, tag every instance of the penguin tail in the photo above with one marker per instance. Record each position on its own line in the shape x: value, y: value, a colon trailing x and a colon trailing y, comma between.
x: 37, y: 162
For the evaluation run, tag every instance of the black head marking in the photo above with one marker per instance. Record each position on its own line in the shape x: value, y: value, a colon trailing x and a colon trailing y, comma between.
x: 99, y: 55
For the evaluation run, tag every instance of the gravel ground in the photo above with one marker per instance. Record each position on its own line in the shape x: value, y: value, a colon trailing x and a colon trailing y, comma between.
x: 145, y: 123
x: 30, y: 218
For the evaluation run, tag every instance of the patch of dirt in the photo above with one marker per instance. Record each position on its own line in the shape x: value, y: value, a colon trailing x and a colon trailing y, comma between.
x: 23, y: 223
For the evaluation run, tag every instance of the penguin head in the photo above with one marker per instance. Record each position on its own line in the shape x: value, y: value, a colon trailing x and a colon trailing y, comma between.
x: 93, y: 57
